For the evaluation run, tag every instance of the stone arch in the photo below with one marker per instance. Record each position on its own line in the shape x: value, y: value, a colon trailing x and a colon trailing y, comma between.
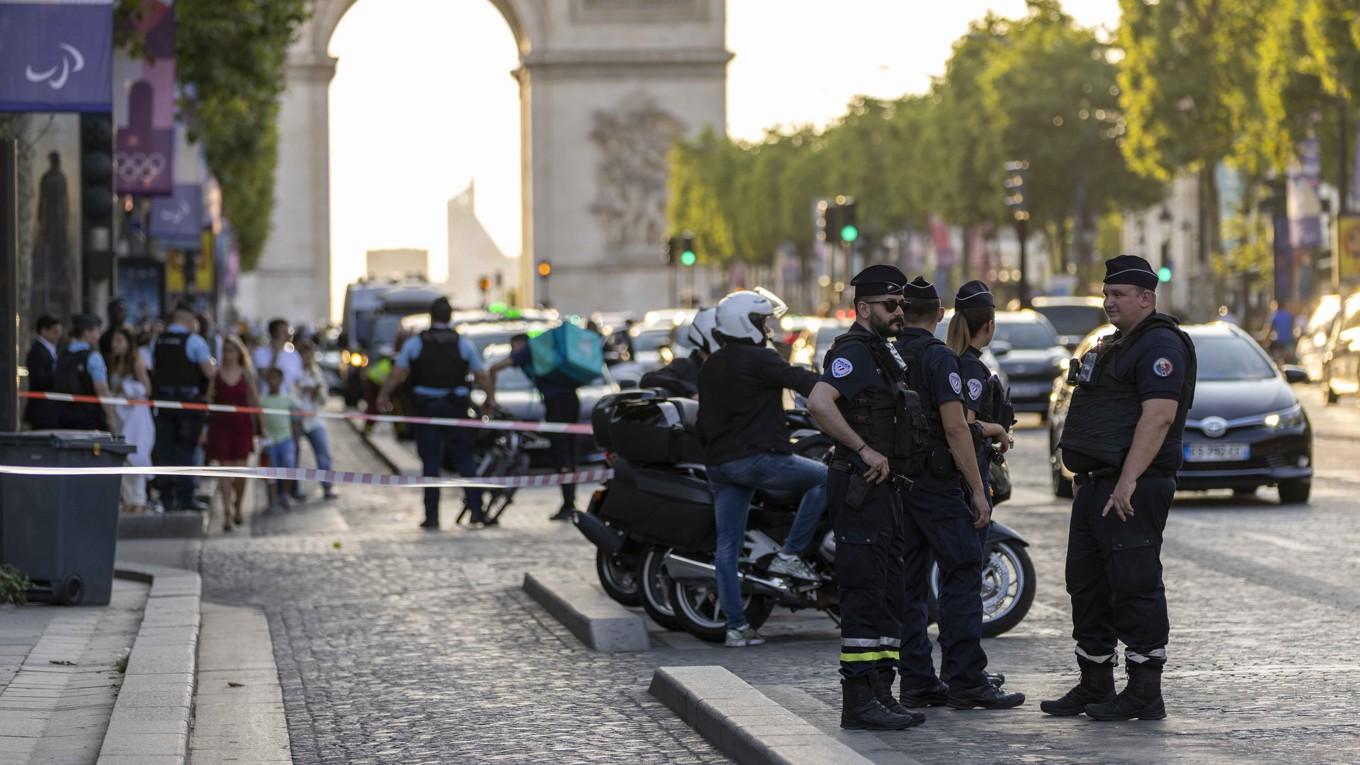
x: 587, y: 67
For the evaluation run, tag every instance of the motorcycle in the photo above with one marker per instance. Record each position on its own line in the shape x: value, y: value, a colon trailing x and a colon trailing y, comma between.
x: 653, y: 527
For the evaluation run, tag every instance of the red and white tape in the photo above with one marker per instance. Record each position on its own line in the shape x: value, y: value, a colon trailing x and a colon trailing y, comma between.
x: 453, y: 422
x: 592, y: 475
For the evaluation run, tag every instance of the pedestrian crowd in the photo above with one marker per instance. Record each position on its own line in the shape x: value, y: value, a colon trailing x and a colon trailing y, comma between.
x: 185, y: 358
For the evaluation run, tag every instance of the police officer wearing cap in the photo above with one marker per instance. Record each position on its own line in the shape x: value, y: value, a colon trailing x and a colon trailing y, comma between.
x: 1122, y: 440
x: 862, y: 403
x: 182, y: 365
x: 946, y: 511
x: 988, y: 409
x: 438, y: 362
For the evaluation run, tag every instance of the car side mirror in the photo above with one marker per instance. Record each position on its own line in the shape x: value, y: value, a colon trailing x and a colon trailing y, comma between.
x: 1294, y: 375
x: 999, y: 347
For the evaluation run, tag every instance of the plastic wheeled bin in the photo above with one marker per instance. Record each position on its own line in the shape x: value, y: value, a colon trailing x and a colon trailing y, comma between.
x: 61, y: 531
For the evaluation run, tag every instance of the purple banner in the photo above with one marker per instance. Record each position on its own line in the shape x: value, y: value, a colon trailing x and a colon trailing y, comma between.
x: 56, y: 57
x: 1305, y: 208
x: 145, y: 109
x: 1284, y: 262
x: 177, y: 220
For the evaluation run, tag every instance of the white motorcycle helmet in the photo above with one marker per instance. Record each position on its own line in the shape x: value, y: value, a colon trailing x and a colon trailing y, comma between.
x: 701, y: 330
x: 742, y: 315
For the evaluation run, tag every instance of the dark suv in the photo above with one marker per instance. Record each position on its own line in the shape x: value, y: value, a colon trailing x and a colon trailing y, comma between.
x: 1027, y: 347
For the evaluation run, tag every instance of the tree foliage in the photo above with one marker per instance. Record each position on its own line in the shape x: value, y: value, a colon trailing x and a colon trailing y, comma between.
x: 231, y: 57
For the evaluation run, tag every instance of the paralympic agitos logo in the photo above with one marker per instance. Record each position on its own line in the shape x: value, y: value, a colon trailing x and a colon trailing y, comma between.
x: 56, y: 78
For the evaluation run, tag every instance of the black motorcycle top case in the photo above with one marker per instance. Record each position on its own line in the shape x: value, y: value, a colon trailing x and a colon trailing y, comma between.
x: 656, y: 431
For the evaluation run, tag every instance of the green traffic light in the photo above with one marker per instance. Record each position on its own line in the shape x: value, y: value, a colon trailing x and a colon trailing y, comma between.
x: 849, y: 234
x: 1164, y: 274
x: 688, y: 258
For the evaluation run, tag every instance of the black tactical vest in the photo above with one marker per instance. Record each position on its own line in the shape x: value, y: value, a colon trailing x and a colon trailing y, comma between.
x: 175, y: 377
x: 72, y: 375
x: 889, y: 419
x: 1104, y: 411
x: 440, y: 363
x: 914, y: 354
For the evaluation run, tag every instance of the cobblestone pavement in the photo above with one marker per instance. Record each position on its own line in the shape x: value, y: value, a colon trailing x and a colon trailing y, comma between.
x: 400, y: 646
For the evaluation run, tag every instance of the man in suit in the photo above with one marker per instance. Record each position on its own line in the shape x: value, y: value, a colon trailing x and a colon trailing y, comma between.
x: 42, y: 364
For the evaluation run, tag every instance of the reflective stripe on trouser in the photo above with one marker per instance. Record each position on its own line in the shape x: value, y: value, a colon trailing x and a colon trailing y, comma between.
x: 868, y: 569
x: 939, y: 526
x: 1114, y: 572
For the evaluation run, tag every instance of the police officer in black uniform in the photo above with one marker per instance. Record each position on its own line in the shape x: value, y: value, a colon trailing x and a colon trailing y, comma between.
x: 861, y: 402
x: 946, y: 509
x: 182, y: 365
x: 1122, y: 440
x: 988, y: 409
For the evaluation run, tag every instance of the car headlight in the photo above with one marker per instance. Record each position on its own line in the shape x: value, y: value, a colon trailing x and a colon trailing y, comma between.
x: 1287, y: 419
x: 358, y: 360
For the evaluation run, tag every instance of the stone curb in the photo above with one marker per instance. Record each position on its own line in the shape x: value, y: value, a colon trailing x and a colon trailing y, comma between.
x: 589, y: 614
x: 163, y: 526
x: 151, y: 716
x: 744, y: 723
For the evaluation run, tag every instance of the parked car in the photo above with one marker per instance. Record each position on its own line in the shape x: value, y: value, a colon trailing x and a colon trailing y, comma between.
x: 1341, y: 364
x: 1028, y: 349
x: 1245, y: 430
x: 1072, y: 317
x: 809, y: 343
x: 1316, y: 334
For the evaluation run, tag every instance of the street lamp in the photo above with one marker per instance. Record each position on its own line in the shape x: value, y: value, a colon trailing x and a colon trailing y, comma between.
x: 1015, y: 200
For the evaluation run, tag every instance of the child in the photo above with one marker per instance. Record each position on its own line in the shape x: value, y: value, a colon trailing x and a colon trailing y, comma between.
x: 280, y: 430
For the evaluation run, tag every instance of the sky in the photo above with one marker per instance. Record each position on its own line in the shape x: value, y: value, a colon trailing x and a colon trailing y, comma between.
x: 423, y: 102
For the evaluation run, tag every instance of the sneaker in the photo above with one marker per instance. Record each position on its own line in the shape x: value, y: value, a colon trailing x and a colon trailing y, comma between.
x: 329, y: 494
x: 564, y: 514
x: 794, y: 567
x: 743, y: 637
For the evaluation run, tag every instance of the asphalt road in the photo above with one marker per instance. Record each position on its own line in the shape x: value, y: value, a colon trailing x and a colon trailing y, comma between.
x: 401, y: 646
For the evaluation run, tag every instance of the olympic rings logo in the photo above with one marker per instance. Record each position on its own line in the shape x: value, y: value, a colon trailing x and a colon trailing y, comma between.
x: 139, y: 168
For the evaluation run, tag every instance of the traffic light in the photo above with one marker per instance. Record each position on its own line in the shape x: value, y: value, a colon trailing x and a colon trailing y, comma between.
x: 96, y: 194
x: 1164, y: 274
x: 687, y: 255
x: 848, y: 231
x: 484, y: 284
x: 1015, y: 189
x: 544, y: 269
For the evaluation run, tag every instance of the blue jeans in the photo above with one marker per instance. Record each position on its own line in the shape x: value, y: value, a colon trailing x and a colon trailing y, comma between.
x: 321, y: 447
x: 282, y: 454
x: 734, y: 485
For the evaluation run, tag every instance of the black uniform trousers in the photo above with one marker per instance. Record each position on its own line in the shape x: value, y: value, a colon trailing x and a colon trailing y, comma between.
x: 565, y: 407
x: 177, y: 433
x: 869, y: 544
x: 1114, y: 571
x: 432, y: 440
x: 939, y: 526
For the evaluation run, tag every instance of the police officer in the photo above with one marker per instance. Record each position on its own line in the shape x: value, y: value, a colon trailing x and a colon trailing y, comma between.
x: 182, y: 365
x: 986, y: 406
x: 946, y: 508
x: 862, y: 404
x: 81, y: 370
x: 438, y: 361
x: 1122, y: 440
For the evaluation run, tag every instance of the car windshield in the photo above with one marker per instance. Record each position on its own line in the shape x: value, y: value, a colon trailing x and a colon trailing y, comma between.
x: 651, y: 341
x: 1073, y: 319
x: 1225, y: 358
x: 1026, y: 335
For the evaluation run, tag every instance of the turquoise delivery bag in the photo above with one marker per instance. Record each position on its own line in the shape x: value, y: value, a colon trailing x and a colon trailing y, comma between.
x: 567, y: 353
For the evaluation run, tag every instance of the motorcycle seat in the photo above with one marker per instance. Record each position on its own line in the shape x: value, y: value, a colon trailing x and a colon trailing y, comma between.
x: 779, y: 498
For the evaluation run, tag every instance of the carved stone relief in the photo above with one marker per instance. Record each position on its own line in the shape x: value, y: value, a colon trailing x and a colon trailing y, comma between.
x: 630, y: 200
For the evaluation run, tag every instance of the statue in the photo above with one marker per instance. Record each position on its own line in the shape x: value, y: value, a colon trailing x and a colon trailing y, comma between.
x: 53, y: 281
x: 630, y: 200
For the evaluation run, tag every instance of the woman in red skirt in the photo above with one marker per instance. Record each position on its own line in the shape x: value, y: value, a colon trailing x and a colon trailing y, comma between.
x: 231, y: 435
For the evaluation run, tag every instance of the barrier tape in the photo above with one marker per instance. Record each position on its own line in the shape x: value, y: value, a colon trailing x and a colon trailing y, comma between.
x: 453, y: 422
x: 327, y: 476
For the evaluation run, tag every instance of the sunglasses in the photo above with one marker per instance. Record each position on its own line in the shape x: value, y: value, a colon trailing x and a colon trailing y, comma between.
x: 890, y: 305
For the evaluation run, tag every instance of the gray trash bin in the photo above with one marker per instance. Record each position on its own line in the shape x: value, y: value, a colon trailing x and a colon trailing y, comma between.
x: 62, y: 531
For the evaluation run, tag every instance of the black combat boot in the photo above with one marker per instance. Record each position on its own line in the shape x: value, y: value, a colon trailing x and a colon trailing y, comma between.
x: 985, y: 696
x: 1096, y: 686
x: 882, y: 679
x: 1141, y: 698
x: 934, y: 695
x: 861, y: 711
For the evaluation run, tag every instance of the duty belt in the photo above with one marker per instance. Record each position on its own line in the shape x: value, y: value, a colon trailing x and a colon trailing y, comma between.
x: 897, y: 479
x: 1103, y: 474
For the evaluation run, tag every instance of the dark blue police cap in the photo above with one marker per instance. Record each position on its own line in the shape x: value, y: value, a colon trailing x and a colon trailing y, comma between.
x: 878, y: 279
x: 919, y: 289
x: 1130, y: 269
x: 974, y: 294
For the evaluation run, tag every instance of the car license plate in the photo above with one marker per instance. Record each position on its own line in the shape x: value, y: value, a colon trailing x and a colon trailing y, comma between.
x: 1217, y: 452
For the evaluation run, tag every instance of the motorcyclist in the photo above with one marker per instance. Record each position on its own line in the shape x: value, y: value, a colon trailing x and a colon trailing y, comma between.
x: 746, y: 444
x: 681, y: 376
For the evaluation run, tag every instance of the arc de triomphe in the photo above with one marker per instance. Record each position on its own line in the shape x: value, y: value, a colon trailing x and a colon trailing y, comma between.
x: 605, y: 87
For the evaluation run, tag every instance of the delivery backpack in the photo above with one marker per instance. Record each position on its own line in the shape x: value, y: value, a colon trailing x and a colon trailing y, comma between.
x: 569, y: 354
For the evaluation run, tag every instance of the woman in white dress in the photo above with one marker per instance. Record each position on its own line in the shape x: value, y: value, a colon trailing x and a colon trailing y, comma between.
x: 128, y: 378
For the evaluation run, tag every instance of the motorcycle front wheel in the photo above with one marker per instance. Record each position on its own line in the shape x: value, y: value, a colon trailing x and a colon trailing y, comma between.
x: 618, y: 575
x: 696, y: 607
x: 1008, y: 586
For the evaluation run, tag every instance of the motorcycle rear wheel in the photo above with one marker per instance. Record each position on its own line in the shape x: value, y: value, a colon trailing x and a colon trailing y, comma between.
x: 1008, y: 587
x: 618, y: 575
x: 654, y: 589
x: 696, y: 607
